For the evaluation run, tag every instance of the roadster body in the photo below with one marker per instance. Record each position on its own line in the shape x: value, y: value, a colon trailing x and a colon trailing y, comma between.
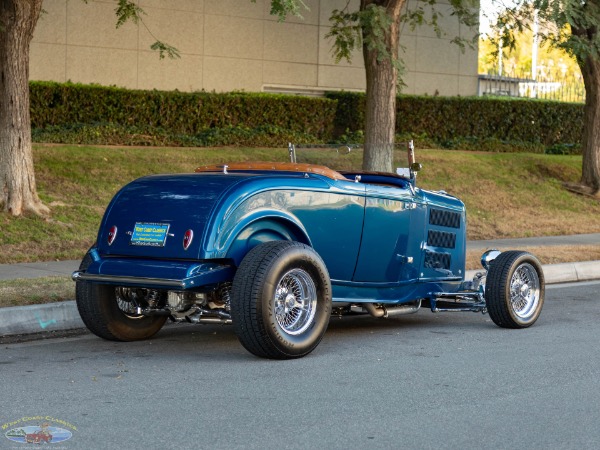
x: 277, y: 248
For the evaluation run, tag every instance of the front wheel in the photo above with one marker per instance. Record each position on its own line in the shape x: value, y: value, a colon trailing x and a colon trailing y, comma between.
x: 281, y: 300
x: 514, y: 290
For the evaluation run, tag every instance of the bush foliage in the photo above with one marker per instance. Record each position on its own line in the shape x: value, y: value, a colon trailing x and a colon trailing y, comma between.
x: 114, y: 134
x: 497, y: 124
x: 91, y: 114
x: 110, y: 113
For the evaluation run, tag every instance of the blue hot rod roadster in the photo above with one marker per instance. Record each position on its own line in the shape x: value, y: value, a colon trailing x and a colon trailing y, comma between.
x: 277, y: 248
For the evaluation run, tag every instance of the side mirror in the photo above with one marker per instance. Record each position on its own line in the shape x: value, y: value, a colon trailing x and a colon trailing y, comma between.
x: 416, y: 167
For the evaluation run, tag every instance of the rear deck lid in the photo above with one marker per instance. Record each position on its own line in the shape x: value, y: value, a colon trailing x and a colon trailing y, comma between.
x: 162, y: 216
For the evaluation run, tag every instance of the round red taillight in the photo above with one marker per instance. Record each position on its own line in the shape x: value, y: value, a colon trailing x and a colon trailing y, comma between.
x: 112, y: 234
x: 187, y: 239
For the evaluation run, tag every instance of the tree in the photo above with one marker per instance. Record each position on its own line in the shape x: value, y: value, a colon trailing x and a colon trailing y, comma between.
x: 552, y: 63
x: 375, y: 27
x: 572, y: 25
x: 17, y: 180
x: 18, y: 19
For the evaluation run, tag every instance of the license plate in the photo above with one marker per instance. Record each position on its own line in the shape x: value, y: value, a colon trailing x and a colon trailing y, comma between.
x: 150, y: 234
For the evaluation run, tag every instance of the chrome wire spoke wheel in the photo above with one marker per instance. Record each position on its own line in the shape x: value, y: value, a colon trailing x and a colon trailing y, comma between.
x: 295, y: 301
x: 111, y: 312
x: 281, y: 300
x: 514, y: 289
x: 525, y: 291
x: 126, y: 302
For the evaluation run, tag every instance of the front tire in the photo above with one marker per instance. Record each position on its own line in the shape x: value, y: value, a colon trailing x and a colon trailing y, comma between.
x: 281, y: 300
x: 514, y: 290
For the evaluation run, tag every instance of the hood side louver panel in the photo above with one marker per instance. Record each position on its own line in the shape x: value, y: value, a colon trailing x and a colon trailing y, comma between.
x: 434, y: 260
x: 441, y: 239
x: 448, y: 219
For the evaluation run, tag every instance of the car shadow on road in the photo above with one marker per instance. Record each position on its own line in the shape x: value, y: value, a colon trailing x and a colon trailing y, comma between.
x: 219, y: 342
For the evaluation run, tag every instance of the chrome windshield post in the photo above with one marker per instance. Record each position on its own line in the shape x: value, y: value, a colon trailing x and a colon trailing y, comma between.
x: 292, y: 151
x: 413, y: 166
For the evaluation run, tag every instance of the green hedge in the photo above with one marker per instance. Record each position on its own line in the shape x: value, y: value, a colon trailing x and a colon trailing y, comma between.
x: 460, y: 121
x: 74, y: 113
x: 54, y: 104
x: 115, y: 134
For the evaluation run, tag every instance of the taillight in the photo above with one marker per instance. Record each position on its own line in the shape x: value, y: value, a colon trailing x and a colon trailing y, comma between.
x: 112, y: 234
x: 187, y: 239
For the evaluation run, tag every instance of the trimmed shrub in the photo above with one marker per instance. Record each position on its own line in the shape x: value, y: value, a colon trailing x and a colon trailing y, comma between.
x: 177, y: 113
x: 92, y: 114
x: 115, y: 134
x: 467, y: 122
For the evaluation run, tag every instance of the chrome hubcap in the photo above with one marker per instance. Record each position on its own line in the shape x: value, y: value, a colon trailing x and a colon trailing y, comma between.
x: 125, y: 302
x: 295, y: 301
x: 128, y: 300
x: 525, y: 291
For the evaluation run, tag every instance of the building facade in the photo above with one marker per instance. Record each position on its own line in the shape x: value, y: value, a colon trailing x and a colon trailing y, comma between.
x: 228, y: 45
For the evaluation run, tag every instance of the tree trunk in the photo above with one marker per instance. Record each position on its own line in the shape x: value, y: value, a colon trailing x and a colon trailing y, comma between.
x: 382, y: 82
x: 17, y: 180
x: 590, y: 143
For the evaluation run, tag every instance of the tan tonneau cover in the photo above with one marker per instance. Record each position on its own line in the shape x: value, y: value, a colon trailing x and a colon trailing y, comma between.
x: 277, y: 166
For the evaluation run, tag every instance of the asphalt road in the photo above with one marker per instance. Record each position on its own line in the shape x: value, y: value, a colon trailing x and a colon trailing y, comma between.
x: 437, y: 381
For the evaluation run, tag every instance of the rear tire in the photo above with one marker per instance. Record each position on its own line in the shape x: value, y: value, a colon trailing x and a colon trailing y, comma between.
x: 98, y: 307
x: 99, y: 310
x: 281, y: 300
x: 514, y: 289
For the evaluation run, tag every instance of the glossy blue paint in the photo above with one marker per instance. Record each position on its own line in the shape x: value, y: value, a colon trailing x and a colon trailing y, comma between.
x: 389, y: 293
x: 324, y: 216
x: 379, y: 238
x: 271, y: 227
x: 388, y: 244
x: 158, y: 274
x: 288, y: 206
x: 182, y: 201
x: 441, y: 202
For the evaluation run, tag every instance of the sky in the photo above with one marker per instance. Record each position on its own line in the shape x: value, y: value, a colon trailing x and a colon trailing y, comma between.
x: 488, y: 11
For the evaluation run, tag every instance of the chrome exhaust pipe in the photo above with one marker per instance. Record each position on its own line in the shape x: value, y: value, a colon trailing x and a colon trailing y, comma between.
x: 374, y: 310
x: 202, y: 315
x: 390, y: 311
x: 149, y: 312
x: 208, y: 320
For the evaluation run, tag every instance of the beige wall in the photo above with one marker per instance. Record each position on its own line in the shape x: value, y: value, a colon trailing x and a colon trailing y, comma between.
x: 229, y: 45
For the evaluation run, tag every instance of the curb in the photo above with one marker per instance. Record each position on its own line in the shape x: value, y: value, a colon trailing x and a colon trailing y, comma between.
x: 563, y: 273
x: 64, y: 315
x: 568, y: 272
x: 38, y: 318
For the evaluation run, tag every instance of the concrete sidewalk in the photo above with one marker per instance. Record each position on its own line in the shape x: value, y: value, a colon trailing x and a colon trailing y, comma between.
x: 37, y: 270
x: 545, y: 241
x: 64, y: 316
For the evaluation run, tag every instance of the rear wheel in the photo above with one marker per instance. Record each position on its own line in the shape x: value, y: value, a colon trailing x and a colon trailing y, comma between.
x: 281, y: 300
x: 514, y: 290
x: 109, y: 312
